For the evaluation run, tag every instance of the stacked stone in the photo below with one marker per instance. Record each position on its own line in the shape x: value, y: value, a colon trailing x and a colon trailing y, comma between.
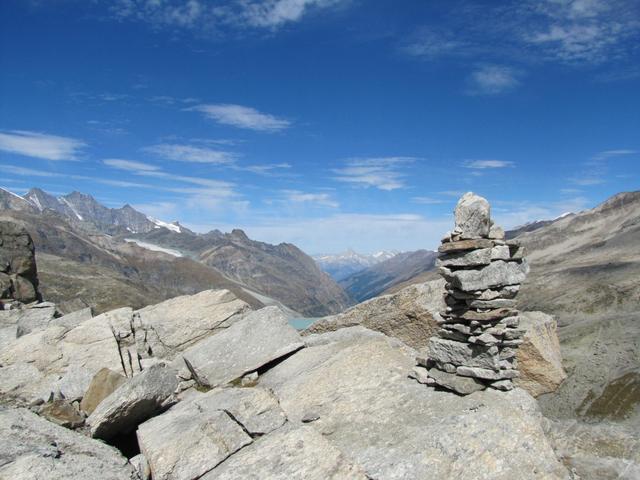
x: 479, y: 335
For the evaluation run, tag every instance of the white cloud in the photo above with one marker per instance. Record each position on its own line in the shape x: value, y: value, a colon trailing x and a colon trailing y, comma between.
x: 40, y: 145
x: 484, y: 164
x: 266, y: 169
x: 207, y: 17
x: 189, y: 153
x: 242, y: 117
x: 383, y: 173
x: 427, y: 200
x: 323, y: 199
x: 129, y: 165
x: 274, y: 13
x: 493, y: 80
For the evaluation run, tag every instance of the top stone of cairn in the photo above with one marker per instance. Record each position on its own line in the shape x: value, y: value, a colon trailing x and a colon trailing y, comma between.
x: 473, y: 217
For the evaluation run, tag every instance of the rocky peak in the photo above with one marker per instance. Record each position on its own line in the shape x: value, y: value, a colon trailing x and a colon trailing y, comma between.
x: 239, y: 234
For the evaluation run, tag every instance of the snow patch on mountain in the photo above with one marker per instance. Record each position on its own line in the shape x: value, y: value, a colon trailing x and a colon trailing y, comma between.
x: 344, y: 264
x: 154, y: 248
x: 68, y: 204
x: 168, y: 226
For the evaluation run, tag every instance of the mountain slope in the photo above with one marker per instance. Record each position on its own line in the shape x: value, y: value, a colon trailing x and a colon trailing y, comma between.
x: 378, y: 278
x: 585, y: 270
x: 78, y: 270
x: 281, y: 272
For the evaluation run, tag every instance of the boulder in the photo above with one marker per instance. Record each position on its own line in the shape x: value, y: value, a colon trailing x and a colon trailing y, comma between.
x: 73, y: 319
x: 141, y: 467
x: 103, y: 384
x: 34, y: 449
x: 196, y: 435
x: 174, y: 325
x: 410, y: 314
x: 291, y: 452
x: 473, y: 216
x: 139, y: 399
x: 17, y: 264
x: 30, y: 319
x: 63, y: 413
x: 539, y: 358
x: 496, y: 274
x: 247, y: 345
x: 396, y: 428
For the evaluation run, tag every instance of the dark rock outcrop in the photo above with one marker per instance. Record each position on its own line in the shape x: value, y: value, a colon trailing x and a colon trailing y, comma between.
x: 18, y: 272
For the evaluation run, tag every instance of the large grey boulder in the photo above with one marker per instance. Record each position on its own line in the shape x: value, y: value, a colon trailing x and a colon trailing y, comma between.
x: 539, y: 358
x: 35, y: 449
x: 17, y: 265
x: 473, y: 216
x: 196, y: 435
x: 496, y: 274
x: 293, y: 452
x: 170, y: 327
x: 103, y: 384
x: 30, y: 319
x: 409, y: 314
x: 141, y: 398
x: 395, y: 428
x: 247, y: 345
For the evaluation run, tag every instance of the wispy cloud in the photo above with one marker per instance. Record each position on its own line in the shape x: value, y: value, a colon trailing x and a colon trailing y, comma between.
x: 597, y: 168
x: 323, y: 199
x: 40, y: 145
x: 130, y: 165
x: 267, y: 169
x: 242, y: 117
x: 216, y: 19
x: 189, y: 153
x: 383, y: 173
x: 427, y: 200
x: 275, y: 13
x: 484, y: 164
x: 493, y: 80
x: 514, y: 214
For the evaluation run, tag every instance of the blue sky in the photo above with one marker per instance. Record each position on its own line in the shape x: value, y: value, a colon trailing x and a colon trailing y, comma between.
x: 325, y: 123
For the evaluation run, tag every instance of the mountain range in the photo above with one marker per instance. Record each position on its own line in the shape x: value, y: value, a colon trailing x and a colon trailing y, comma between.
x: 91, y: 255
x: 345, y: 264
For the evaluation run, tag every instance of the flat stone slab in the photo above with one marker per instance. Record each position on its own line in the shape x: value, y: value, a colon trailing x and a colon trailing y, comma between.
x: 458, y: 384
x: 247, y: 345
x: 293, y: 452
x: 196, y: 435
x: 459, y: 353
x: 465, y: 245
x: 36, y: 449
x: 139, y: 399
x: 497, y: 274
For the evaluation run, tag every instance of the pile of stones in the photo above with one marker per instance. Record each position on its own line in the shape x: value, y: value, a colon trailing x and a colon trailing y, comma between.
x: 18, y: 274
x: 478, y: 338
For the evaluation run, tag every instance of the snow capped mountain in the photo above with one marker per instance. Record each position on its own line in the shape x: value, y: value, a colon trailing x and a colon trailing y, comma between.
x: 344, y: 264
x: 174, y: 226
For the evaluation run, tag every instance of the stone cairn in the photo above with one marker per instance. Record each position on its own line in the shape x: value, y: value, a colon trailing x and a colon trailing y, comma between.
x: 477, y: 343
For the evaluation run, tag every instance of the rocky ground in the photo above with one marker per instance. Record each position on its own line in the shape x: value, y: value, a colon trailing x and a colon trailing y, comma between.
x: 240, y: 394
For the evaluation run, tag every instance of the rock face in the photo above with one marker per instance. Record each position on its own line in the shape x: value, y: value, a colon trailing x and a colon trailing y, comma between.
x: 479, y: 334
x: 539, y: 359
x: 252, y: 342
x: 409, y: 315
x: 142, y: 397
x: 63, y: 358
x: 196, y: 435
x: 34, y: 449
x: 18, y: 272
x: 396, y: 428
x: 307, y: 455
x: 103, y: 384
